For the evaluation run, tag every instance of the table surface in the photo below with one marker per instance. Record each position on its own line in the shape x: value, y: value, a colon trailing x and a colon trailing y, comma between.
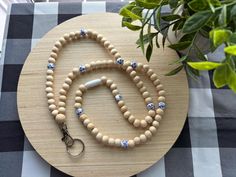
x: 206, y: 145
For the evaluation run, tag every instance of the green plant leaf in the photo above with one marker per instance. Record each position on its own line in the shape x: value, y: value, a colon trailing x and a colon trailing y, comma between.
x: 196, y: 21
x: 147, y: 5
x: 193, y: 73
x: 198, y: 5
x: 179, y: 60
x: 223, y: 16
x: 146, y: 38
x: 230, y: 50
x: 200, y: 55
x: 219, y: 36
x: 233, y: 12
x: 158, y: 18
x: 220, y: 76
x: 232, y: 79
x: 141, y: 40
x: 173, y: 3
x: 187, y: 37
x: 127, y: 13
x: 170, y: 17
x: 232, y: 38
x: 205, y: 65
x: 180, y: 45
x: 131, y: 26
x: 175, y: 71
x: 149, y: 52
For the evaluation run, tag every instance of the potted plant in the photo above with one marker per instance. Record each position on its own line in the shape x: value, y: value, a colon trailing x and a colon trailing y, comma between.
x: 190, y: 21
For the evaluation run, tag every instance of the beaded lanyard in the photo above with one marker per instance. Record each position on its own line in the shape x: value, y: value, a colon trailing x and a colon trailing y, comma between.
x: 155, y: 111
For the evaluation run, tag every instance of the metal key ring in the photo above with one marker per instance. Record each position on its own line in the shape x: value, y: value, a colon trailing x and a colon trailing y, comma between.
x: 78, y: 153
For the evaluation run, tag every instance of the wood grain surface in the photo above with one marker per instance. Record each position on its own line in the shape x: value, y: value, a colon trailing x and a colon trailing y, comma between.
x: 98, y: 160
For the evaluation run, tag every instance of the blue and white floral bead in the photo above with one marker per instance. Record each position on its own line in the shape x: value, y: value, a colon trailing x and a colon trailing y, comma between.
x: 82, y: 68
x: 134, y: 64
x: 120, y: 61
x: 162, y: 105
x: 51, y: 66
x: 83, y: 32
x: 79, y: 111
x: 118, y: 97
x: 150, y: 106
x: 124, y: 144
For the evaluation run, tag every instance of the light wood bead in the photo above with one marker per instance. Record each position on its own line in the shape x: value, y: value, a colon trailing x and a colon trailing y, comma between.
x: 117, y: 55
x: 113, y: 86
x: 51, y: 60
x: 131, y: 143
x: 136, y: 123
x: 66, y: 37
x: 65, y: 86
x: 51, y: 101
x: 158, y: 118
x: 54, y: 113
x: 137, y: 140
x: 62, y: 40
x: 111, y: 142
x: 63, y: 92
x: 99, y: 37
x: 104, y: 79
x: 150, y: 72
x: 124, y: 109
x: 89, y: 32
x: 161, y: 99
x: 133, y: 74
x: 103, y: 40
x: 49, y: 84
x: 95, y: 35
x: 126, y: 64
x: 148, y: 134
x: 78, y: 93
x: 121, y: 103
x: 90, y: 126
x: 156, y: 82
x: 110, y: 63
x: 62, y: 110
x: 136, y: 79
x: 82, y: 88
x: 110, y: 47
x: 155, y: 124
x: 94, y: 132
x: 129, y: 69
x: 115, y: 92
x: 88, y: 67
x: 117, y: 142
x: 143, y: 123
x: 153, y: 77
x: 52, y: 107
x: 148, y: 119
x: 107, y: 43
x: 83, y: 117
x: 61, y: 104
x: 93, y: 64
x: 53, y: 55
x: 151, y: 113
x: 139, y: 66
x: 145, y: 68
x: 99, y: 137
x: 71, y: 75
x: 76, y: 71
x: 113, y: 51
x: 68, y: 81
x: 145, y: 94
x: 50, y: 72
x: 86, y: 122
x: 148, y: 100
x: 109, y: 82
x: 72, y: 35
x: 131, y: 119
x: 78, y: 99
x: 60, y: 118
x: 50, y: 95
x: 49, y: 89
x: 49, y: 78
x: 58, y: 44
x: 162, y: 93
x: 159, y: 87
x: 77, y: 105
x: 139, y: 84
x: 127, y: 114
x: 62, y: 98
x: 152, y: 129
x: 105, y: 139
x: 159, y: 111
x: 143, y: 138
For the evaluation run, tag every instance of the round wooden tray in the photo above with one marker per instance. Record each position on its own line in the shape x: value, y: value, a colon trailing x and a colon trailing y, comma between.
x: 98, y: 160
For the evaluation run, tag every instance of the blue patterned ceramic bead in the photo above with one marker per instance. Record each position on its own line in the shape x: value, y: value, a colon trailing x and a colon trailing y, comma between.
x: 120, y: 61
x: 118, y: 97
x: 161, y: 105
x: 124, y: 144
x: 82, y: 68
x: 134, y: 64
x: 51, y: 66
x: 79, y: 111
x: 150, y: 106
x: 83, y: 32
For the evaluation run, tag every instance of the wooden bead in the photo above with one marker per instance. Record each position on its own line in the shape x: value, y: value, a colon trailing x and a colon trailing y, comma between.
x: 161, y: 99
x: 143, y: 89
x: 62, y: 110
x: 95, y: 35
x: 88, y: 67
x: 82, y: 88
x: 115, y: 92
x: 148, y: 119
x: 89, y: 32
x: 68, y: 81
x: 62, y: 98
x: 103, y: 40
x: 99, y: 137
x: 86, y: 122
x: 113, y: 51
x: 50, y: 72
x: 109, y: 82
x: 153, y: 129
x: 131, y: 119
x: 53, y: 55
x: 155, y: 124
x: 49, y: 78
x: 110, y: 63
x: 90, y: 126
x: 107, y: 43
x: 143, y: 138
x: 51, y: 60
x: 133, y: 74
x: 136, y: 123
x: 105, y: 139
x: 143, y: 123
x: 71, y: 75
x: 65, y: 86
x: 94, y: 132
x: 110, y: 47
x: 156, y: 82
x: 151, y: 113
x: 139, y: 66
x: 129, y: 69
x: 104, y: 79
x: 78, y: 93
x: 52, y: 107
x: 66, y: 37
x: 62, y: 40
x: 159, y: 111
x: 124, y: 109
x: 153, y: 77
x: 111, y: 141
x: 145, y: 68
x: 49, y: 89
x: 61, y: 104
x: 83, y: 117
x: 117, y: 55
x: 159, y: 87
x: 60, y: 118
x: 51, y: 101
x: 113, y: 86
x: 162, y: 93
x: 136, y: 79
x: 76, y: 71
x: 126, y: 64
x: 148, y: 134
x: 117, y: 142
x: 54, y: 113
x: 77, y: 105
x: 148, y: 100
x: 127, y: 114
x: 78, y: 99
x: 150, y: 72
x: 158, y: 118
x: 58, y: 44
x: 131, y: 143
x: 50, y: 95
x: 145, y: 94
x: 72, y: 35
x: 139, y: 84
x: 137, y: 140
x: 49, y: 84
x: 99, y: 37
x: 121, y: 103
x: 63, y: 92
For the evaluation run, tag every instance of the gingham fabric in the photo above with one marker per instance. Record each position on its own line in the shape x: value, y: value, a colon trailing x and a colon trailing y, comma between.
x: 205, y: 148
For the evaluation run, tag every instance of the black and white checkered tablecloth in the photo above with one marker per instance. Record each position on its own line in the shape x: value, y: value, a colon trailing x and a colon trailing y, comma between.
x: 205, y: 148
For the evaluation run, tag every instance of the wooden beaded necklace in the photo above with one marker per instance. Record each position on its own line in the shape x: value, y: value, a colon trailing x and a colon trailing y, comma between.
x: 155, y: 112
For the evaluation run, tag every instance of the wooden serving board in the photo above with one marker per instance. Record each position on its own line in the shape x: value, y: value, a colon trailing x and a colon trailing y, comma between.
x: 98, y: 160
